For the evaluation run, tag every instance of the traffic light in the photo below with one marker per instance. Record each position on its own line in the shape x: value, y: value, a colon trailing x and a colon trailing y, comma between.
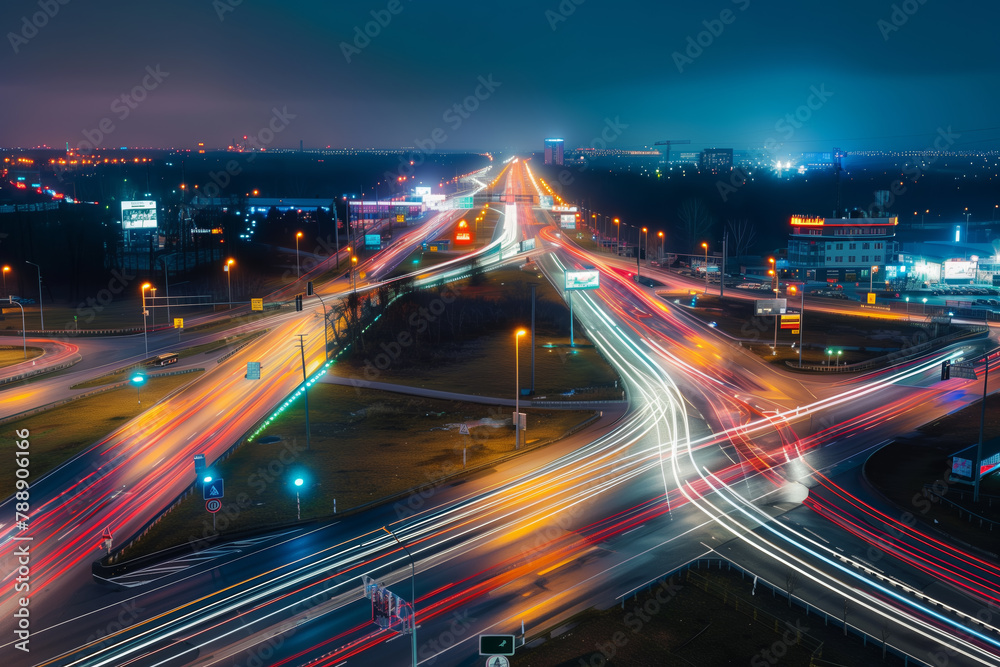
x: 945, y: 370
x: 309, y: 288
x: 298, y: 302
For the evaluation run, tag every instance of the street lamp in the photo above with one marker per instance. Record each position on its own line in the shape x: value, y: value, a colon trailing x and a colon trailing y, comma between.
x: 618, y: 240
x: 517, y: 387
x: 145, y: 333
x: 138, y: 379
x: 923, y: 310
x: 645, y: 237
x: 705, y: 247
x: 152, y: 304
x: 839, y: 353
x: 41, y: 313
x: 413, y: 596
x: 871, y: 279
x: 802, y: 311
x: 6, y: 270
x: 907, y: 308
x: 24, y: 334
x: 298, y: 235
x: 166, y: 282
x: 229, y: 278
x: 660, y: 257
x: 298, y: 507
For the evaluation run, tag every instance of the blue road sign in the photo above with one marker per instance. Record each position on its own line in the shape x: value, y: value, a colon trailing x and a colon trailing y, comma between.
x: 214, y: 489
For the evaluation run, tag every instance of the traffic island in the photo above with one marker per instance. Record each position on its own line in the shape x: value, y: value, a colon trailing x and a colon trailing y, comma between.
x: 364, y: 445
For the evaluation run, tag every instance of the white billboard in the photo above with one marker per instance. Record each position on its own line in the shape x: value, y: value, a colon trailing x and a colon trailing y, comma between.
x: 567, y: 221
x: 583, y: 280
x: 955, y: 269
x: 139, y: 214
x: 564, y: 209
x: 421, y: 191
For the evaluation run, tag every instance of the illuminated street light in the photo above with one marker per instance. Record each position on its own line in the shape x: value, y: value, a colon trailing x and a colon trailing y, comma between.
x: 517, y: 387
x: 298, y: 506
x: 660, y: 234
x: 298, y: 273
x: 618, y: 241
x: 705, y: 247
x: 145, y: 334
x: 138, y: 379
x: 228, y: 268
x: 6, y: 270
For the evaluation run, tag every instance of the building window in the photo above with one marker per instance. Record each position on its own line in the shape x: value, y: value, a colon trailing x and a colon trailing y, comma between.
x: 852, y: 246
x: 878, y: 258
x: 840, y: 259
x: 850, y: 258
x: 878, y: 246
x: 829, y: 246
x: 829, y: 259
x: 840, y: 246
x: 864, y: 258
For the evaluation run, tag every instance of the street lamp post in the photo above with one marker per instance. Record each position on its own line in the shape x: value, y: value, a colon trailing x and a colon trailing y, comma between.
x: 871, y: 279
x: 166, y: 283
x: 6, y: 270
x: 907, y: 309
x: 705, y: 247
x: 24, y: 334
x: 298, y: 505
x: 229, y: 278
x: 326, y: 336
x: 802, y: 313
x: 145, y: 333
x: 138, y: 379
x: 618, y: 239
x: 354, y: 272
x: 152, y: 304
x: 517, y: 388
x: 298, y: 273
x: 638, y: 262
x: 41, y: 312
x: 923, y: 310
x: 413, y: 596
x: 660, y: 256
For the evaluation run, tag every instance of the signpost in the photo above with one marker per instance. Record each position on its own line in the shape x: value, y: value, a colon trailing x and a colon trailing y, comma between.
x: 496, y: 645
x: 579, y: 280
x: 253, y: 370
x: 213, y: 489
x: 763, y: 307
x: 388, y: 609
x: 871, y: 297
x: 257, y: 304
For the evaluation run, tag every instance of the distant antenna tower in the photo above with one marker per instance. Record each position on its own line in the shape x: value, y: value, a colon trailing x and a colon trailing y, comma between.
x: 668, y: 143
x: 837, y: 168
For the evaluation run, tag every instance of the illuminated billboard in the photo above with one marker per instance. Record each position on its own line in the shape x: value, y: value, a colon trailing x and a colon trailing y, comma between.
x: 545, y: 202
x: 373, y: 241
x: 764, y: 307
x: 139, y: 215
x: 576, y: 280
x: 567, y: 221
x: 959, y: 270
x: 421, y: 191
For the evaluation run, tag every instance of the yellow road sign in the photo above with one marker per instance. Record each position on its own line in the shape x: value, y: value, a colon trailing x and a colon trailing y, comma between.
x: 178, y: 322
x: 871, y: 297
x: 256, y: 304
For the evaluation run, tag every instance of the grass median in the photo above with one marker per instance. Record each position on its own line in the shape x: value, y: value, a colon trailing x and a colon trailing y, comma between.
x: 11, y: 355
x: 62, y: 432
x: 365, y: 445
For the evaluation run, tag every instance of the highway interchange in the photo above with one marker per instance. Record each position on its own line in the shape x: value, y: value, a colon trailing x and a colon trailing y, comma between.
x: 719, y: 455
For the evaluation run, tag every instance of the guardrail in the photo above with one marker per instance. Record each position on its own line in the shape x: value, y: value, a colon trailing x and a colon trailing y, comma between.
x: 84, y: 332
x: 896, y: 357
x: 250, y: 338
x: 963, y: 512
x: 40, y: 370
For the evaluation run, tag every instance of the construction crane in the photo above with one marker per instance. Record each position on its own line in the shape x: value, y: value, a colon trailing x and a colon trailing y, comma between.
x: 668, y: 143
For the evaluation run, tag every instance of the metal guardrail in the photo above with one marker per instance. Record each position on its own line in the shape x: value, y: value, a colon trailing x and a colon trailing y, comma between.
x: 895, y: 357
x: 41, y: 369
x: 963, y: 512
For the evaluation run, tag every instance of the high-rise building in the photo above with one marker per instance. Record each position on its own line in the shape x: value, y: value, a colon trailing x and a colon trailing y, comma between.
x: 554, y: 151
x: 841, y: 249
x: 716, y: 159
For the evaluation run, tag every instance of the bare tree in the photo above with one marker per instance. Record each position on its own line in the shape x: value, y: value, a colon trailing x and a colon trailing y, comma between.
x: 695, y: 220
x: 742, y: 236
x: 885, y: 636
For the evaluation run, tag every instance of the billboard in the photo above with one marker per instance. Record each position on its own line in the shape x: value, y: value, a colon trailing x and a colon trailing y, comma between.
x: 583, y: 280
x: 139, y: 215
x: 545, y: 202
x: 421, y: 191
x: 770, y: 306
x: 373, y: 241
x: 567, y: 221
x: 564, y: 209
x: 961, y: 467
x: 955, y: 269
x: 527, y: 244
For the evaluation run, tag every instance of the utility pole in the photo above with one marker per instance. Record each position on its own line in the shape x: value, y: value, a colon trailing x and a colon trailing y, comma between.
x: 722, y: 271
x: 533, y: 286
x: 982, y: 428
x: 305, y: 389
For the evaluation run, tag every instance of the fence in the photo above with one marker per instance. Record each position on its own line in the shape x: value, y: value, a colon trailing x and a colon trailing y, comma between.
x: 963, y: 512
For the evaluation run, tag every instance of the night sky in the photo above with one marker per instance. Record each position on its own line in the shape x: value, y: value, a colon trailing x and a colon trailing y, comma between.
x: 889, y: 78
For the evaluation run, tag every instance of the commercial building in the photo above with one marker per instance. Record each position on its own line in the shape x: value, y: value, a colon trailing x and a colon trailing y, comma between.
x: 554, y: 151
x: 841, y: 249
x: 716, y: 159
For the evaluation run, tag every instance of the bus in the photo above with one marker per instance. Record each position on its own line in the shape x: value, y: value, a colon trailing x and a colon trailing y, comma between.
x: 164, y: 359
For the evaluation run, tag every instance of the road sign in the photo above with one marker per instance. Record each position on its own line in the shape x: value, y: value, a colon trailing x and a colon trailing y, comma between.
x: 463, y: 429
x: 199, y: 464
x: 213, y: 489
x: 790, y: 321
x: 253, y: 370
x: 256, y: 304
x: 178, y: 322
x: 871, y: 297
x: 213, y: 505
x: 497, y: 661
x: 964, y: 371
x: 400, y: 217
x: 496, y: 645
x: 106, y: 535
x: 770, y: 306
